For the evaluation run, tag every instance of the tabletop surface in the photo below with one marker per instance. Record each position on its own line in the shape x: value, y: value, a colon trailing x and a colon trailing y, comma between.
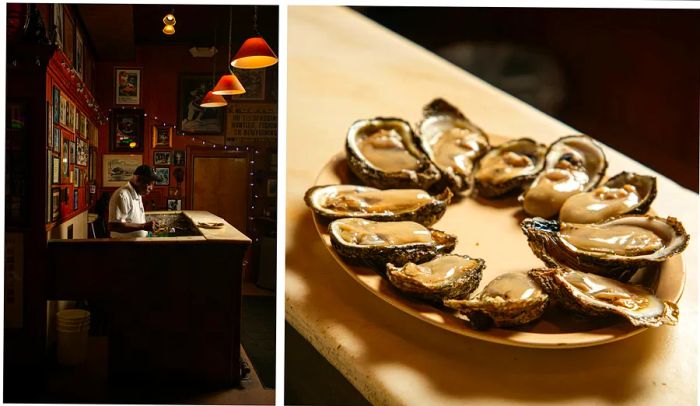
x: 343, y: 67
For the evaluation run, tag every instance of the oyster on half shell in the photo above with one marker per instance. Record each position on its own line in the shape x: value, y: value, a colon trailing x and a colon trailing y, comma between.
x: 573, y: 164
x: 452, y: 142
x: 509, y: 166
x: 511, y: 299
x: 380, y: 151
x: 624, y: 193
x: 341, y: 201
x: 377, y: 243
x: 445, y: 276
x: 595, y: 295
x: 615, y: 248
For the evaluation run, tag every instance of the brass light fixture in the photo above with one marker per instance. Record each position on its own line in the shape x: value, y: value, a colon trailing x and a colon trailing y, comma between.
x: 169, y: 21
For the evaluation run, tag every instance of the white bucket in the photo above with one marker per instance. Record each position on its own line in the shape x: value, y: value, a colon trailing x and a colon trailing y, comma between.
x: 72, y: 327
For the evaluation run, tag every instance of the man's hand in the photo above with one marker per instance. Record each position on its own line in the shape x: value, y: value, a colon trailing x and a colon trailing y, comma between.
x: 149, y: 226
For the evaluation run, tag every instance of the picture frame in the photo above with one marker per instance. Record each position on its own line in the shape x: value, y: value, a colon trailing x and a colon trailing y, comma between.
x: 127, y: 85
x: 179, y: 157
x: 76, y: 177
x: 58, y: 23
x: 126, y: 130
x: 174, y: 204
x: 70, y: 115
x: 79, y: 54
x: 253, y: 80
x: 164, y: 173
x: 55, y: 203
x: 75, y: 199
x: 49, y: 127
x: 162, y: 136
x: 65, y: 155
x: 56, y: 104
x: 118, y: 169
x: 55, y: 170
x: 83, y: 126
x: 63, y: 110
x: 192, y: 119
x: 57, y: 139
x: 81, y: 152
x: 272, y: 188
x: 162, y: 157
x: 173, y: 192
x: 71, y: 159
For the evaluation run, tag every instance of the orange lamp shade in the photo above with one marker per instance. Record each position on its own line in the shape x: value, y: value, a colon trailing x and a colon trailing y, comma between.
x: 228, y: 85
x: 169, y: 30
x: 213, y: 100
x: 254, y: 53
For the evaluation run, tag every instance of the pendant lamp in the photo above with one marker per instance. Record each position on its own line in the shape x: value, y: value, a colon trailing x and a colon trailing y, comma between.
x: 213, y: 100
x: 254, y: 53
x: 169, y: 21
x: 229, y: 84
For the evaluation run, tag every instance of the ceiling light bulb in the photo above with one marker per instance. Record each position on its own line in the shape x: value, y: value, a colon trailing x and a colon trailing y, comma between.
x: 169, y: 19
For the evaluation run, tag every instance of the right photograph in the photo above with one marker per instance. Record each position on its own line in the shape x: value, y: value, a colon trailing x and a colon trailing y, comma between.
x: 491, y: 206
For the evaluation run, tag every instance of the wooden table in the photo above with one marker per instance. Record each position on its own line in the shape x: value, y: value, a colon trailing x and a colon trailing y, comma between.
x: 342, y: 67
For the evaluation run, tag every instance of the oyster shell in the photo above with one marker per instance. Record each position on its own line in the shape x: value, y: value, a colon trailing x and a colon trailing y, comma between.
x: 378, y: 243
x: 445, y: 276
x: 509, y: 166
x: 511, y: 299
x: 452, y: 142
x: 595, y: 295
x: 616, y: 247
x: 624, y: 193
x: 573, y: 164
x: 381, y: 153
x: 341, y: 201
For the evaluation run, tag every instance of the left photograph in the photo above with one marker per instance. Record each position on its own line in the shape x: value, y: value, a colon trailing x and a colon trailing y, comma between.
x: 140, y: 203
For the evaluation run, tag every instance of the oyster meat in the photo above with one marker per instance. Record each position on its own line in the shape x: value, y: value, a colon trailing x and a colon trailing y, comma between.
x: 342, y: 201
x: 378, y: 243
x: 595, y: 295
x: 573, y: 164
x: 511, y: 299
x: 624, y: 193
x: 445, y: 276
x: 616, y: 247
x: 381, y: 153
x: 452, y: 142
x: 509, y: 166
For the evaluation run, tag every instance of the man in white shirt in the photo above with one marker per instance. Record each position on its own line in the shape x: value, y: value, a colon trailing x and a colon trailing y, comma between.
x: 127, y: 218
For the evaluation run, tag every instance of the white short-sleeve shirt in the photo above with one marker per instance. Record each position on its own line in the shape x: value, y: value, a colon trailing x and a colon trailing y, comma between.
x: 126, y: 206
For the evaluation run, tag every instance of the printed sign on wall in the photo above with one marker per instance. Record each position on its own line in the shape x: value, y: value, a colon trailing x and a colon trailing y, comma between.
x: 251, y: 120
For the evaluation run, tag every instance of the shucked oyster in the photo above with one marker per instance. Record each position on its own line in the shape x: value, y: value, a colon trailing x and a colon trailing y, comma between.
x: 609, y: 248
x: 624, y: 193
x: 595, y: 295
x: 445, y: 276
x: 381, y: 153
x: 341, y: 201
x: 378, y: 243
x: 452, y: 142
x: 573, y: 165
x: 511, y: 299
x: 509, y: 166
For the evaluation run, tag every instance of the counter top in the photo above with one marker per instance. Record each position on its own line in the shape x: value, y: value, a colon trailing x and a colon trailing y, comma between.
x: 343, y: 67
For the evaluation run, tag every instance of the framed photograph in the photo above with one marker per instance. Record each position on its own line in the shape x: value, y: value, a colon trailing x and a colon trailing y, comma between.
x: 164, y: 173
x: 191, y: 118
x: 79, y: 53
x: 65, y: 153
x: 83, y: 126
x: 76, y: 177
x: 55, y: 203
x: 70, y: 115
x: 58, y: 23
x: 127, y: 85
x: 81, y: 152
x: 56, y: 104
x: 49, y: 141
x: 63, y: 110
x: 68, y: 38
x: 57, y: 139
x: 71, y: 159
x: 173, y: 192
x: 162, y: 157
x: 179, y: 158
x: 162, y: 136
x: 55, y: 170
x: 126, y: 130
x: 174, y: 204
x: 75, y: 199
x: 271, y: 187
x: 254, y: 82
x: 117, y: 169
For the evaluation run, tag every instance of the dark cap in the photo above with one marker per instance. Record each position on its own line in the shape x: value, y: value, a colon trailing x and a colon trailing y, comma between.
x: 147, y: 174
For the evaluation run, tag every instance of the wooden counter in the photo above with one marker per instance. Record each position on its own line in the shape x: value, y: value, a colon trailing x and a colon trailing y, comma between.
x: 342, y: 68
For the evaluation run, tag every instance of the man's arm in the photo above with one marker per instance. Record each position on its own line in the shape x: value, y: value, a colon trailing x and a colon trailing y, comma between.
x: 118, y: 227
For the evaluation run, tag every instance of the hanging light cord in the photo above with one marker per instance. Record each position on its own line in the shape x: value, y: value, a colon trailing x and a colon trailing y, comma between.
x: 255, y: 21
x: 213, y: 73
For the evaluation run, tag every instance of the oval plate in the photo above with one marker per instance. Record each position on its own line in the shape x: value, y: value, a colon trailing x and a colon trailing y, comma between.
x: 490, y: 229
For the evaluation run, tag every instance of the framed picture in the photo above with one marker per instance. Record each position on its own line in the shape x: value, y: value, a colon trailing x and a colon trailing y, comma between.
x: 127, y: 85
x: 162, y: 136
x: 55, y: 203
x: 83, y: 126
x: 254, y: 82
x: 65, y: 153
x: 117, y: 169
x: 75, y: 199
x: 68, y: 38
x: 57, y: 139
x: 126, y: 130
x: 161, y: 157
x: 164, y: 173
x: 81, y: 152
x: 179, y: 158
x: 56, y: 104
x: 174, y: 204
x: 191, y: 118
x: 92, y: 164
x: 49, y: 127
x: 78, y: 53
x: 72, y: 157
x: 76, y: 177
x: 271, y: 187
x: 63, y: 110
x: 173, y: 192
x: 70, y: 115
x: 58, y: 23
x: 55, y: 170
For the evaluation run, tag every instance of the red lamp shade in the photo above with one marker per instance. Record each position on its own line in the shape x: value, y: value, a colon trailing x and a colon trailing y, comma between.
x: 228, y: 85
x: 254, y: 53
x: 213, y: 100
